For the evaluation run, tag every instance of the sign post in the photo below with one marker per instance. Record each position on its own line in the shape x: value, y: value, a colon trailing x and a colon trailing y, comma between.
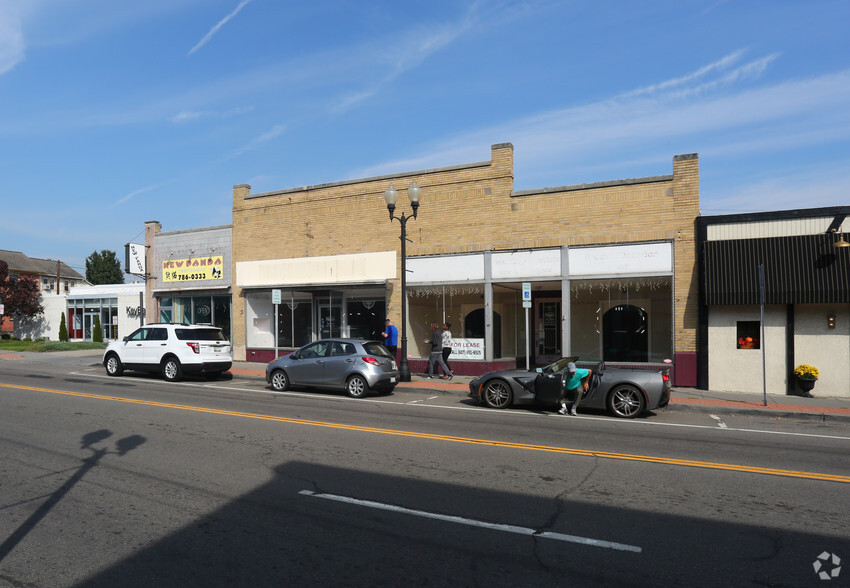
x: 275, y: 301
x: 526, y: 304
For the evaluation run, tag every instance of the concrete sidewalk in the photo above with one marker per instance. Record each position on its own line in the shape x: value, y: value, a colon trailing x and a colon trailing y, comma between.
x: 778, y: 405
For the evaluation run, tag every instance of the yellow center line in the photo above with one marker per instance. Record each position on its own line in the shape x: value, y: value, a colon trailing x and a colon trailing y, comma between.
x: 455, y: 439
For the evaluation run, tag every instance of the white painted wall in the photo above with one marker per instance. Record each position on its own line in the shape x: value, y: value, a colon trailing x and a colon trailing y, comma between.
x: 824, y: 348
x: 740, y: 370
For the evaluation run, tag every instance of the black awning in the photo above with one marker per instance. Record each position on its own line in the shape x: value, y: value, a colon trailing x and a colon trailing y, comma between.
x: 803, y: 269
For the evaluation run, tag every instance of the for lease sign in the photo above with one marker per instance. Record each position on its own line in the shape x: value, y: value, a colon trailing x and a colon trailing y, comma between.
x: 467, y: 349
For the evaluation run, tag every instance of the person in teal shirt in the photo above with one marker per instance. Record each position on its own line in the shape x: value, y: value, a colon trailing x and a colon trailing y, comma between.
x: 575, y: 384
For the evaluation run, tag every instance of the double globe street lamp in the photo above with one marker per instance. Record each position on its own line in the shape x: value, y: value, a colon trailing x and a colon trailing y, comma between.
x: 391, y: 196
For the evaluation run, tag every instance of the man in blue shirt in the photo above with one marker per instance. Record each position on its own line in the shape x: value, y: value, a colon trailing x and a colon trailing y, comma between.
x: 575, y: 384
x: 390, y: 336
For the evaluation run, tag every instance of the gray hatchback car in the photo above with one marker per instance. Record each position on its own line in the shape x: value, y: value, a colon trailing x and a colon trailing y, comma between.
x: 351, y: 365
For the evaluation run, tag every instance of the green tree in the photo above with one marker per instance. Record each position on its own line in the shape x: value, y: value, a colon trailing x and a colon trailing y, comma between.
x: 104, y: 268
x: 97, y: 336
x: 63, y: 329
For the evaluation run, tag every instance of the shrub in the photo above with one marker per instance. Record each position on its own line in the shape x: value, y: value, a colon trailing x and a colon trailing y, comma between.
x: 63, y: 329
x: 97, y: 336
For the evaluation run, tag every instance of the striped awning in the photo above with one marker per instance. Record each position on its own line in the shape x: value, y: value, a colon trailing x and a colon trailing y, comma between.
x: 803, y: 269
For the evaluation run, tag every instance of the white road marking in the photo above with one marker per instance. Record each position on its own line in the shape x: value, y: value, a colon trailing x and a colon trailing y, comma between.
x: 720, y: 422
x: 474, y: 523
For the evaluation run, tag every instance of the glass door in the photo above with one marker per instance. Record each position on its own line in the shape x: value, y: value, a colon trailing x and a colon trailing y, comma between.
x: 548, y: 329
x: 88, y: 324
x: 329, y: 315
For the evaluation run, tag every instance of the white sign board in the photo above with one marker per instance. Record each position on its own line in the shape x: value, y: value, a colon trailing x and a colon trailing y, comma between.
x: 467, y: 349
x: 516, y: 265
x: 135, y: 259
x: 275, y: 296
x: 646, y: 258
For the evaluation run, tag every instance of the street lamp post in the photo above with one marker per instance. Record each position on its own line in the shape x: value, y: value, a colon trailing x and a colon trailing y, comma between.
x: 391, y: 196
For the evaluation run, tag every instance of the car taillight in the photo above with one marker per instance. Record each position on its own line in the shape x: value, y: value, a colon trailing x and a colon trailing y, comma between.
x: 371, y: 360
x: 196, y: 347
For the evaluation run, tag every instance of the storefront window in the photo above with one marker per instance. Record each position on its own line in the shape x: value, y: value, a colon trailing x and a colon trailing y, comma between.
x: 202, y: 310
x: 182, y: 310
x: 366, y: 318
x: 460, y: 305
x: 221, y: 314
x: 165, y: 310
x: 199, y: 310
x: 626, y: 320
x: 748, y: 334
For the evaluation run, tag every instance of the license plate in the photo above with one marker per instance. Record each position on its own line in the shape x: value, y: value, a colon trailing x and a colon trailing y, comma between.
x: 392, y: 380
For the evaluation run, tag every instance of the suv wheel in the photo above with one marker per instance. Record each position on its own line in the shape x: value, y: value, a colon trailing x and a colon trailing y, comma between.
x: 114, y: 367
x: 171, y: 371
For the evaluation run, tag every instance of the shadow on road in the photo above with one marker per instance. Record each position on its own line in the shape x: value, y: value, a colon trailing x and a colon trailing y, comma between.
x: 122, y: 446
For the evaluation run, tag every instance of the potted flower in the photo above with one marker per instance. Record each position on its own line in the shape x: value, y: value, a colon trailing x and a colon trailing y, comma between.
x: 806, y: 377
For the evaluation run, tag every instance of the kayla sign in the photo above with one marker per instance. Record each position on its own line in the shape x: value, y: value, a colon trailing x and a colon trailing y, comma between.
x: 194, y: 268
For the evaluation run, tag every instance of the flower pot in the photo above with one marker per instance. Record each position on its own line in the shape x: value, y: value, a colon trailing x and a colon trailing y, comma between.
x: 806, y: 385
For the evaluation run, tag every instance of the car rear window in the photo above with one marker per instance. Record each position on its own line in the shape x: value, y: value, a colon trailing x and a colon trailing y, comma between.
x: 211, y: 334
x: 375, y: 348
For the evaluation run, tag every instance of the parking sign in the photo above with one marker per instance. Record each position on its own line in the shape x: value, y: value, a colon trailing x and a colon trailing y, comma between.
x: 526, y: 294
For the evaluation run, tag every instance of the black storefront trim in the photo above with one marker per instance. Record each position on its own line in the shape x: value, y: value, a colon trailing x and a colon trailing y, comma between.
x: 804, y: 269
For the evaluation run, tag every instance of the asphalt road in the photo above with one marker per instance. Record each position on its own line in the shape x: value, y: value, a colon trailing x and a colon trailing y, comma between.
x: 134, y: 482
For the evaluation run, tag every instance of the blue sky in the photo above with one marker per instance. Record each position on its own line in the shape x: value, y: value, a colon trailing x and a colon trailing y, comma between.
x: 114, y: 113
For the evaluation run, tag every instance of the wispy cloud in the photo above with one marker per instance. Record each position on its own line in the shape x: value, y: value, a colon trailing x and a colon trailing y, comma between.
x: 810, y: 187
x: 720, y: 64
x: 718, y: 110
x: 217, y: 27
x: 144, y: 190
x: 193, y: 115
x: 269, y: 135
x: 411, y: 51
x: 12, y: 43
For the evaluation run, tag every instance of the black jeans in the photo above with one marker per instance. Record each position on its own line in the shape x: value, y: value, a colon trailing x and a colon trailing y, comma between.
x: 447, y: 351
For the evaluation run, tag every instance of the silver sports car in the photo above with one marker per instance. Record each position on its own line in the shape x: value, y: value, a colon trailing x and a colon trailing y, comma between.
x: 624, y: 392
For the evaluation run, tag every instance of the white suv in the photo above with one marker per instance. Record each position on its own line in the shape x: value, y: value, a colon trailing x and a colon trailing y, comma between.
x: 171, y: 349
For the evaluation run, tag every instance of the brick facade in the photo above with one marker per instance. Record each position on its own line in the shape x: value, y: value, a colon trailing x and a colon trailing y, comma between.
x: 471, y: 208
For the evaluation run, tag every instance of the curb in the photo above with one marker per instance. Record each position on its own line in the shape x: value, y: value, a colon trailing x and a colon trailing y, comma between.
x: 778, y: 411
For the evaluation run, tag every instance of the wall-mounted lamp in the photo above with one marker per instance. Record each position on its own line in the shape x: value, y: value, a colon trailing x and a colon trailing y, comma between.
x: 835, y: 227
x: 830, y: 321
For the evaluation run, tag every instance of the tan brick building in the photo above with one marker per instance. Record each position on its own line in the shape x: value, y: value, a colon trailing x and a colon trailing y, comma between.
x: 611, y: 266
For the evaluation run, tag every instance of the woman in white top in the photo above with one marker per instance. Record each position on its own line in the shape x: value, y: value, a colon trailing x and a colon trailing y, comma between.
x: 447, y: 346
